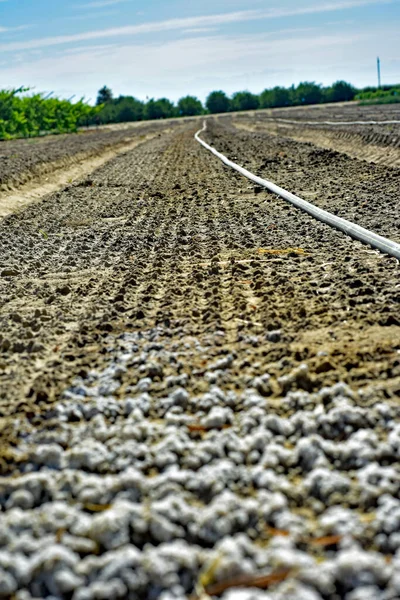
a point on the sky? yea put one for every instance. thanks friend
(171, 48)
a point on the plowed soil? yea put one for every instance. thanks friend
(200, 382)
(25, 160)
(363, 132)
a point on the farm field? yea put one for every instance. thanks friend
(31, 162)
(368, 132)
(199, 383)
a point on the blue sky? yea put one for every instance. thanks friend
(153, 48)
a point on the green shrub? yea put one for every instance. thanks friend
(24, 115)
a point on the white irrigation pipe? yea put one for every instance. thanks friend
(355, 231)
(299, 122)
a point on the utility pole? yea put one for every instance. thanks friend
(378, 63)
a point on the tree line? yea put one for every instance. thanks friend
(128, 108)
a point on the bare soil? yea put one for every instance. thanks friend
(22, 161)
(362, 192)
(218, 283)
(377, 143)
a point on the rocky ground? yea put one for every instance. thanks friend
(199, 384)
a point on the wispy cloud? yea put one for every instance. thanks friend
(11, 29)
(101, 3)
(199, 30)
(91, 51)
(189, 23)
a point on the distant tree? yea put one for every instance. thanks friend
(189, 106)
(308, 92)
(159, 109)
(108, 113)
(128, 109)
(244, 101)
(340, 91)
(276, 97)
(218, 102)
(104, 95)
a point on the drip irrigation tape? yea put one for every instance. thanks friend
(355, 231)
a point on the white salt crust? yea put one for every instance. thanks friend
(121, 500)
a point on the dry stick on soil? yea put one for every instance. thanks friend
(277, 532)
(264, 581)
(93, 508)
(324, 541)
(198, 427)
(250, 581)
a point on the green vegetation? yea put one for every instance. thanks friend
(307, 92)
(104, 95)
(28, 115)
(23, 115)
(218, 102)
(341, 91)
(245, 101)
(159, 109)
(119, 110)
(275, 97)
(189, 106)
(384, 95)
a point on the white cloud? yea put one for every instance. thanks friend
(196, 65)
(188, 23)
